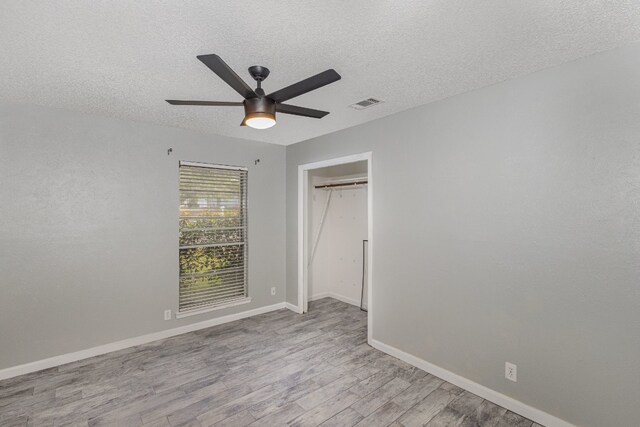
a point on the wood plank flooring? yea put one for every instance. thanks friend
(279, 368)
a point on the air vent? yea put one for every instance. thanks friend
(365, 103)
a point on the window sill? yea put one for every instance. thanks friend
(213, 308)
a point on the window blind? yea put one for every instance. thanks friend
(213, 235)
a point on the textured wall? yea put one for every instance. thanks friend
(520, 239)
(89, 228)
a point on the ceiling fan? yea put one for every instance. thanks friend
(260, 109)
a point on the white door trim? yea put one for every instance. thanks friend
(303, 182)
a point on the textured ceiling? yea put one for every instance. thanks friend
(123, 59)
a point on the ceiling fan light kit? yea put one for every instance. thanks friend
(259, 113)
(260, 109)
(259, 120)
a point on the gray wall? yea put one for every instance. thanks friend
(89, 227)
(507, 226)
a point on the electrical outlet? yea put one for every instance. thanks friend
(167, 315)
(273, 291)
(511, 372)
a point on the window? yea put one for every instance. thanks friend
(213, 236)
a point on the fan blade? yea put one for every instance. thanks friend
(300, 111)
(218, 66)
(205, 103)
(306, 85)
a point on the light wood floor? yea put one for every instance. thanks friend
(278, 368)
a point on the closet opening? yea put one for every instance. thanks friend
(334, 242)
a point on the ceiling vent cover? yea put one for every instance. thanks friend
(365, 103)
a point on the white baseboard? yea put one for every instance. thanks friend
(319, 296)
(292, 307)
(345, 299)
(39, 365)
(507, 402)
(335, 296)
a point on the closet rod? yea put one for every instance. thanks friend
(343, 184)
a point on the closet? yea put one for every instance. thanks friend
(338, 233)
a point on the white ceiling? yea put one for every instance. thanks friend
(123, 59)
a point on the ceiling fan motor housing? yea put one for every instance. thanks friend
(259, 106)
